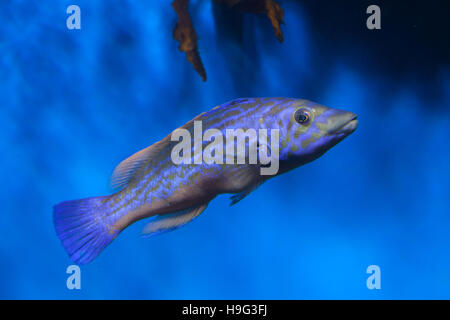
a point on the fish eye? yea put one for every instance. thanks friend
(302, 116)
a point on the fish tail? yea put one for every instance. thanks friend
(82, 228)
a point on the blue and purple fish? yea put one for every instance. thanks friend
(151, 184)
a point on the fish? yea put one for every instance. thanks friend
(172, 184)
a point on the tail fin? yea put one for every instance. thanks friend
(81, 229)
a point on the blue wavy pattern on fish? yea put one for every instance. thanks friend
(150, 184)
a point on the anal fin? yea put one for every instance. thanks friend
(171, 221)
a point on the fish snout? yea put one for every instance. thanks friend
(343, 122)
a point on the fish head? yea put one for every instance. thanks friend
(310, 129)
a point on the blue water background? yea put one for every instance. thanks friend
(74, 103)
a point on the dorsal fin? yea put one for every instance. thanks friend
(130, 168)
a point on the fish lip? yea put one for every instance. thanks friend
(347, 128)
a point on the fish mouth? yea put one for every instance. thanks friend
(347, 127)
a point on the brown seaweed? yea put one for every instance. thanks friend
(271, 8)
(184, 31)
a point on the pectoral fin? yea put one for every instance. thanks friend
(241, 195)
(171, 221)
